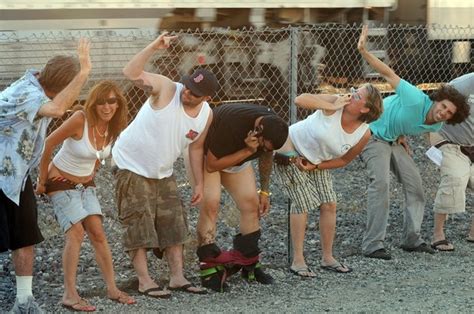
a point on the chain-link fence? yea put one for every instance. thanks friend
(269, 66)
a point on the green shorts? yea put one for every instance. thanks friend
(151, 212)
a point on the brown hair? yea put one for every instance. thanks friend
(58, 73)
(459, 100)
(99, 93)
(374, 102)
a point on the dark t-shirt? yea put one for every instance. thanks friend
(230, 125)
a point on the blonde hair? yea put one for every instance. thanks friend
(374, 102)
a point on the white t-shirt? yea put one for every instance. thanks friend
(321, 137)
(150, 145)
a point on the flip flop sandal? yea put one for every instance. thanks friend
(147, 293)
(124, 296)
(336, 267)
(437, 246)
(187, 288)
(304, 272)
(80, 306)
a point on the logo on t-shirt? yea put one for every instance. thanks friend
(192, 134)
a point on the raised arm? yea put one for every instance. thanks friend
(388, 74)
(64, 99)
(151, 83)
(322, 101)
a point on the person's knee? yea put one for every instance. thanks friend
(210, 210)
(328, 207)
(97, 235)
(24, 253)
(249, 206)
(75, 234)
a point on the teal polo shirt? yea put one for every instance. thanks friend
(404, 114)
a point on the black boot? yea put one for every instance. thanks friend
(255, 272)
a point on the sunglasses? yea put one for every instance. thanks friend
(355, 94)
(110, 101)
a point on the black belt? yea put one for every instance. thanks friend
(443, 143)
(283, 160)
(466, 150)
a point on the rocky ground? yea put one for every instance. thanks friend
(410, 282)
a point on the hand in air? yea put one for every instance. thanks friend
(363, 38)
(83, 53)
(163, 41)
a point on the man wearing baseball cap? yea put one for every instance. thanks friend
(173, 120)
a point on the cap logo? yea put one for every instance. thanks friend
(198, 78)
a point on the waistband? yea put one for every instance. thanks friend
(284, 159)
(438, 145)
(466, 150)
(63, 184)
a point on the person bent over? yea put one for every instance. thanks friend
(456, 143)
(238, 134)
(26, 109)
(173, 120)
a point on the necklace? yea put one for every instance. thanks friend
(103, 134)
(100, 153)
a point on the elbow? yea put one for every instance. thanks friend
(211, 169)
(58, 112)
(126, 71)
(299, 100)
(130, 73)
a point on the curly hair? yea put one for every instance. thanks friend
(448, 92)
(100, 93)
(374, 102)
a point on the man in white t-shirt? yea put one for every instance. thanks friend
(174, 120)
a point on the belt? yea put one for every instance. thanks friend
(438, 145)
(466, 150)
(283, 160)
(63, 184)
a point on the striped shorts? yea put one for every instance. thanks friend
(306, 189)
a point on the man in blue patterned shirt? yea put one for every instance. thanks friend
(26, 108)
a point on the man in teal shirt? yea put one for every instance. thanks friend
(408, 112)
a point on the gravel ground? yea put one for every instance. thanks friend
(410, 282)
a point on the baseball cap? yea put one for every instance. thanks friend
(202, 82)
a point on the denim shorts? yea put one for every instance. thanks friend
(72, 206)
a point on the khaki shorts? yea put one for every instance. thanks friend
(151, 212)
(306, 189)
(457, 173)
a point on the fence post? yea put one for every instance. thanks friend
(293, 80)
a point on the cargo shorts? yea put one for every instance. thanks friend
(150, 211)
